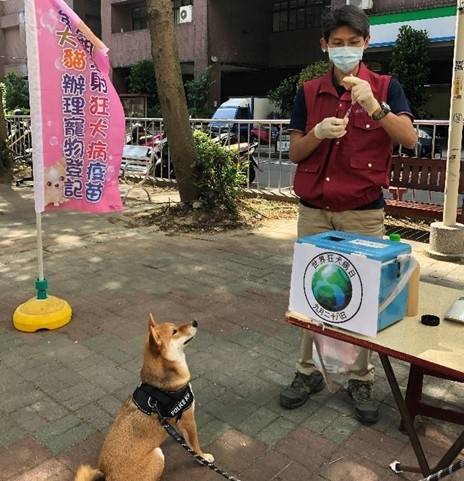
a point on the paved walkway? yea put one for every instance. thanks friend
(60, 390)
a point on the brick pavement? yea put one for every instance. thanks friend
(60, 390)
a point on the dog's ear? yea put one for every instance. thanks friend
(153, 336)
(151, 321)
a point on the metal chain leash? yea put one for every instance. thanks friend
(180, 440)
(445, 472)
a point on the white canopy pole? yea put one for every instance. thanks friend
(456, 123)
(447, 237)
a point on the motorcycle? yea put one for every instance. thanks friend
(141, 135)
(145, 152)
(161, 165)
(246, 153)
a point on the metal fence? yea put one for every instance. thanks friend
(262, 145)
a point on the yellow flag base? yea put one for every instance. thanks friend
(34, 314)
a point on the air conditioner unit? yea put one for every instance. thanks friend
(364, 4)
(185, 14)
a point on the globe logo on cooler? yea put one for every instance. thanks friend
(332, 287)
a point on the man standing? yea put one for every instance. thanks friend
(343, 128)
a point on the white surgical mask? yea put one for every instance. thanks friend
(346, 58)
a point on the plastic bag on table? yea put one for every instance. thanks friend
(335, 359)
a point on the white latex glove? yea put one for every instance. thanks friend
(331, 128)
(361, 93)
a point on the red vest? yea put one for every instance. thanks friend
(343, 174)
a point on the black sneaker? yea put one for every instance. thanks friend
(366, 408)
(302, 386)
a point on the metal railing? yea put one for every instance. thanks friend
(19, 139)
(263, 145)
(257, 141)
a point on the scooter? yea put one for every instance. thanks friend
(246, 151)
(139, 135)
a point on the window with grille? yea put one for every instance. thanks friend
(291, 15)
(177, 5)
(139, 18)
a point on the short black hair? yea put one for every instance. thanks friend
(347, 16)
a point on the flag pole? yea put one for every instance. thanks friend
(42, 311)
(38, 219)
(41, 283)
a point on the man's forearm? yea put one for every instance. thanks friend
(400, 129)
(302, 146)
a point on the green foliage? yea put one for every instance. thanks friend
(2, 94)
(5, 159)
(197, 91)
(411, 65)
(219, 176)
(142, 80)
(16, 92)
(316, 69)
(5, 156)
(284, 94)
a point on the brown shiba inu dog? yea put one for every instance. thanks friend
(131, 450)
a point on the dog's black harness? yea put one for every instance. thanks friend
(168, 404)
(171, 404)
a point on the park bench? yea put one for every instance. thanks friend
(412, 174)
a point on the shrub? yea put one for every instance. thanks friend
(220, 178)
(142, 80)
(16, 92)
(284, 94)
(317, 69)
(411, 65)
(197, 91)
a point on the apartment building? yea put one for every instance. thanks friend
(12, 38)
(227, 35)
(250, 45)
(13, 33)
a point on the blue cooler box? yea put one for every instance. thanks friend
(395, 259)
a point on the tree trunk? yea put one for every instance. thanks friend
(172, 95)
(6, 174)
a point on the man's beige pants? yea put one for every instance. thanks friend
(314, 221)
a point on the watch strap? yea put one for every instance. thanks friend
(380, 113)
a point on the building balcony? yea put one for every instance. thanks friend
(127, 48)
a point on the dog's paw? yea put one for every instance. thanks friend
(208, 457)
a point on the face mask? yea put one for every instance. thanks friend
(345, 58)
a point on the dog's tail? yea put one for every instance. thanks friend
(87, 473)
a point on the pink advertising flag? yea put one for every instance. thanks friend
(77, 116)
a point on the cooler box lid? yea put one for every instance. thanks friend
(348, 243)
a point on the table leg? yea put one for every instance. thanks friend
(406, 418)
(451, 454)
(413, 392)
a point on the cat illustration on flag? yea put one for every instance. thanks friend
(54, 177)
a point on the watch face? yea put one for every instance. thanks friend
(385, 107)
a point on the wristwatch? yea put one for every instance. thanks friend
(379, 114)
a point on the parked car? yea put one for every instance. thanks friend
(264, 134)
(424, 144)
(244, 108)
(283, 141)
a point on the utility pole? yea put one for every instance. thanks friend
(447, 237)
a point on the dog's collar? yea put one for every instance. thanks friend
(168, 404)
